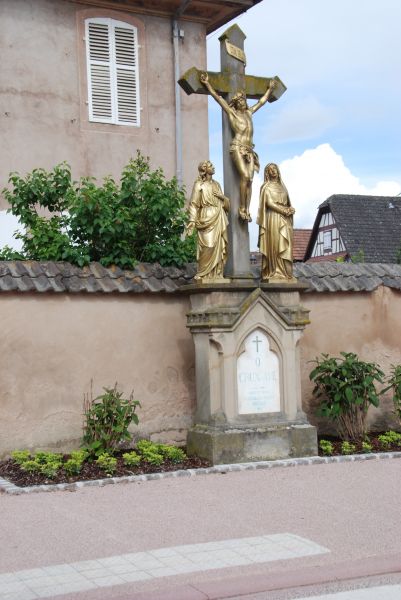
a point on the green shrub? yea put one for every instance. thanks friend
(143, 445)
(150, 452)
(31, 466)
(152, 457)
(107, 419)
(131, 459)
(384, 442)
(366, 447)
(388, 439)
(20, 456)
(141, 219)
(155, 454)
(346, 389)
(176, 455)
(326, 447)
(73, 466)
(46, 463)
(394, 436)
(51, 468)
(79, 455)
(47, 457)
(107, 463)
(347, 448)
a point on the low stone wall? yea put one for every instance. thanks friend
(63, 327)
(51, 348)
(367, 323)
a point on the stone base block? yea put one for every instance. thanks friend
(229, 445)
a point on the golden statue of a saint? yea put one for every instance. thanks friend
(207, 214)
(275, 220)
(242, 147)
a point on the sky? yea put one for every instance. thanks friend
(337, 128)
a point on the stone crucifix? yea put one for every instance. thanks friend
(231, 88)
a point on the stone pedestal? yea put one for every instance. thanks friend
(248, 385)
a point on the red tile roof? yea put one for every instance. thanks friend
(328, 257)
(301, 240)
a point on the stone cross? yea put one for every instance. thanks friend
(227, 83)
(257, 341)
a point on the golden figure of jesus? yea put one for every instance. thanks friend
(242, 147)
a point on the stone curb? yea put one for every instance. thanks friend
(10, 488)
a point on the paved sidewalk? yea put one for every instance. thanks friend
(345, 514)
(76, 577)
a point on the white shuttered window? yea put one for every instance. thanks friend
(112, 65)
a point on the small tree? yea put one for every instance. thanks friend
(142, 219)
(107, 419)
(346, 389)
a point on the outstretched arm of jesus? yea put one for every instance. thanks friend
(204, 79)
(265, 97)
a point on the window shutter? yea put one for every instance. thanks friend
(112, 64)
(99, 71)
(125, 44)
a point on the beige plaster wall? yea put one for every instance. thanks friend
(366, 323)
(52, 346)
(43, 110)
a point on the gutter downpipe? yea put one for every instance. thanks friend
(178, 120)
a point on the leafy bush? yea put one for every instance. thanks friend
(47, 463)
(73, 466)
(394, 382)
(106, 420)
(51, 468)
(176, 455)
(20, 456)
(31, 466)
(155, 454)
(131, 459)
(385, 443)
(107, 463)
(326, 447)
(142, 219)
(150, 452)
(152, 457)
(143, 445)
(347, 448)
(394, 436)
(366, 447)
(388, 439)
(346, 388)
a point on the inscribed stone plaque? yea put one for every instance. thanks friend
(258, 376)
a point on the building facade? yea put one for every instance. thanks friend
(91, 81)
(358, 228)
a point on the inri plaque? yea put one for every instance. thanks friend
(258, 376)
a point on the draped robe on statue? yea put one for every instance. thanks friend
(209, 215)
(275, 231)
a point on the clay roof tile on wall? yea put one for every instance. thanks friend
(59, 277)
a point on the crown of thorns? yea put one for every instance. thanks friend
(238, 96)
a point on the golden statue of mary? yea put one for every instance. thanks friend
(275, 220)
